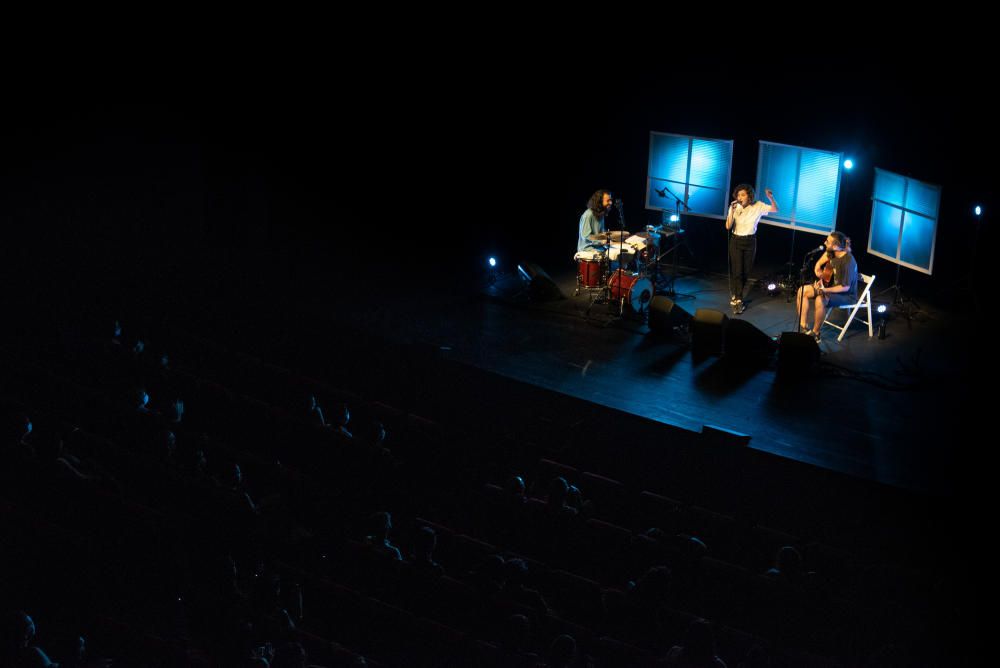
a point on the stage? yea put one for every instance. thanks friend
(888, 410)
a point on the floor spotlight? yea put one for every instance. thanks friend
(880, 317)
(491, 276)
(772, 287)
(848, 164)
(978, 210)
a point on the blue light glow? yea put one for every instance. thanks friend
(882, 308)
(493, 262)
(806, 183)
(848, 164)
(688, 170)
(904, 220)
(979, 210)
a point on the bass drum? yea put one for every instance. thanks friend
(636, 290)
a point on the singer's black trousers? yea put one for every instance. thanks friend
(742, 251)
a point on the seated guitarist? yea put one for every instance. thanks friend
(836, 284)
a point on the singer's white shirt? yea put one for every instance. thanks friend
(746, 218)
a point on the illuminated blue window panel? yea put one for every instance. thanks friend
(691, 169)
(806, 185)
(904, 220)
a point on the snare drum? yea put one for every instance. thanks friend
(637, 291)
(591, 269)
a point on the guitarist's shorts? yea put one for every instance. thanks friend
(840, 299)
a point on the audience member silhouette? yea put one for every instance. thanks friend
(697, 649)
(378, 538)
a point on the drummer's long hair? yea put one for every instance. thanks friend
(596, 203)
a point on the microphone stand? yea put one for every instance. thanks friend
(789, 265)
(656, 267)
(729, 252)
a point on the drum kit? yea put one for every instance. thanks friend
(627, 272)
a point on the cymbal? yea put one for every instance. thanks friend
(613, 235)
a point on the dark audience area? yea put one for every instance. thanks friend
(168, 500)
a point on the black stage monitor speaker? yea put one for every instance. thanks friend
(797, 353)
(541, 287)
(743, 341)
(706, 331)
(665, 314)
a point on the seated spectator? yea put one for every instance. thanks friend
(512, 649)
(140, 401)
(422, 558)
(19, 643)
(516, 587)
(697, 649)
(116, 336)
(557, 499)
(314, 412)
(276, 612)
(19, 439)
(649, 592)
(341, 420)
(378, 440)
(787, 565)
(52, 453)
(290, 655)
(516, 490)
(174, 412)
(380, 524)
(234, 483)
(488, 576)
(562, 652)
(165, 447)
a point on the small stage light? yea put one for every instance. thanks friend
(491, 271)
(848, 164)
(979, 210)
(880, 318)
(674, 218)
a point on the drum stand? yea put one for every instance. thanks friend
(621, 250)
(596, 294)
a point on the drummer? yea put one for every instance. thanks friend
(592, 222)
(592, 237)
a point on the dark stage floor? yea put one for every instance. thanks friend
(886, 410)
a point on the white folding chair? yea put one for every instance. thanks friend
(864, 300)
